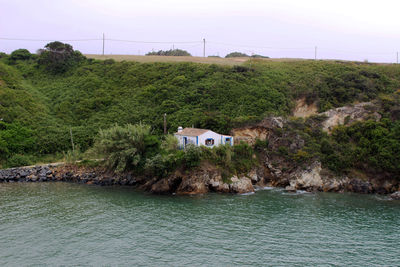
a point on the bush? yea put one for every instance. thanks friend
(174, 52)
(20, 54)
(15, 139)
(125, 147)
(261, 144)
(192, 156)
(236, 54)
(170, 143)
(18, 160)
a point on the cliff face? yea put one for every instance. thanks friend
(282, 171)
(349, 114)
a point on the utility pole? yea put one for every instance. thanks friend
(315, 53)
(204, 47)
(103, 43)
(165, 123)
(397, 58)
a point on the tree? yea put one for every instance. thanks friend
(125, 148)
(236, 54)
(174, 52)
(20, 54)
(58, 57)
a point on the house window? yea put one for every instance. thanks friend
(209, 142)
(227, 140)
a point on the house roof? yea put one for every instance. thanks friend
(192, 131)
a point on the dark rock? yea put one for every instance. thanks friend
(359, 186)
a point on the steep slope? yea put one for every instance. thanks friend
(97, 94)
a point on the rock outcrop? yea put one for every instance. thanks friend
(304, 109)
(199, 181)
(395, 195)
(349, 114)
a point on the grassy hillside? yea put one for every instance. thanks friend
(96, 94)
(171, 59)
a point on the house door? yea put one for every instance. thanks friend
(185, 141)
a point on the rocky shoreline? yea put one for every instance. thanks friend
(203, 180)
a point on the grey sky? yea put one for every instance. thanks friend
(343, 29)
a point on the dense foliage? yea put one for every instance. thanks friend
(20, 54)
(58, 57)
(171, 52)
(134, 148)
(51, 95)
(236, 54)
(365, 146)
(126, 148)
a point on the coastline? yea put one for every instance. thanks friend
(200, 181)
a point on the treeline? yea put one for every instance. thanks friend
(240, 54)
(58, 91)
(171, 52)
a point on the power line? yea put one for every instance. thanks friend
(48, 40)
(154, 42)
(263, 47)
(191, 44)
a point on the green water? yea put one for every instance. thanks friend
(70, 224)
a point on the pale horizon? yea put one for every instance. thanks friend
(347, 30)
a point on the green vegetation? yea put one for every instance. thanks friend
(134, 148)
(58, 57)
(369, 146)
(258, 56)
(171, 52)
(43, 98)
(20, 54)
(236, 54)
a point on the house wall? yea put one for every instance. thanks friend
(225, 142)
(210, 134)
(201, 139)
(192, 140)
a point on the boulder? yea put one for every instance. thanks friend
(359, 186)
(161, 187)
(217, 185)
(241, 185)
(291, 189)
(309, 179)
(395, 195)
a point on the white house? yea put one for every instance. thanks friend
(198, 137)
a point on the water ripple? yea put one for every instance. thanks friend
(69, 224)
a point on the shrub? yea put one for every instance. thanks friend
(20, 54)
(261, 144)
(18, 160)
(125, 147)
(172, 52)
(15, 139)
(236, 54)
(192, 156)
(301, 156)
(170, 143)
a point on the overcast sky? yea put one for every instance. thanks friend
(341, 29)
